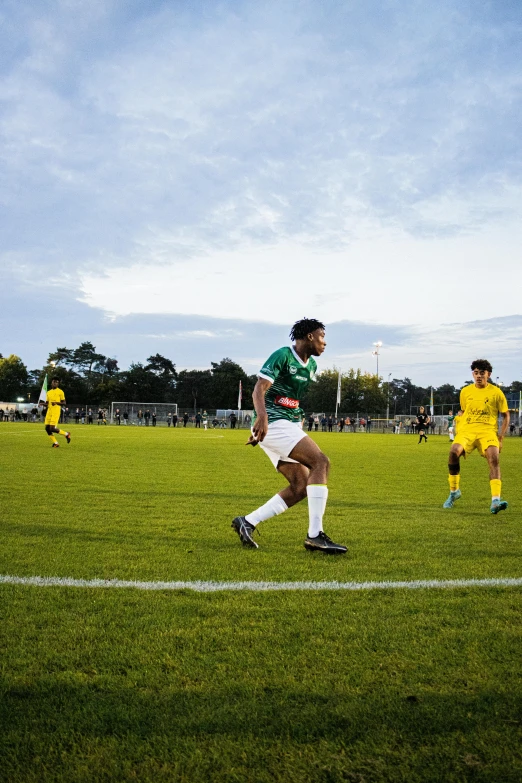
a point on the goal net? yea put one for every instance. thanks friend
(135, 413)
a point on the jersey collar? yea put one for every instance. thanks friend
(303, 364)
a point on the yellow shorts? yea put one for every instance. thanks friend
(480, 439)
(52, 416)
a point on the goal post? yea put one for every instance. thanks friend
(160, 409)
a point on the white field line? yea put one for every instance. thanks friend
(214, 587)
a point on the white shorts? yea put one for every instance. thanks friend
(280, 439)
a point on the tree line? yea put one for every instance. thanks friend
(90, 378)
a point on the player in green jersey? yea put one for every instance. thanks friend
(277, 428)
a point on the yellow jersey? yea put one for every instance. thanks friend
(54, 395)
(482, 406)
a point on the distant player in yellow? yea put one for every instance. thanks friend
(481, 404)
(54, 403)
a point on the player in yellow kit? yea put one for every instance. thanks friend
(55, 401)
(481, 404)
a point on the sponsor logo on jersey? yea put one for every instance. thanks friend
(293, 370)
(286, 402)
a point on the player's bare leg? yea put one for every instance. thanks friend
(297, 477)
(310, 456)
(51, 429)
(492, 456)
(455, 454)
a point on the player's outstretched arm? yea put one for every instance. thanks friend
(503, 429)
(260, 427)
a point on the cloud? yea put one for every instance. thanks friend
(188, 168)
(428, 355)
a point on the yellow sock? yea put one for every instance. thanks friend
(62, 432)
(495, 485)
(454, 482)
(53, 439)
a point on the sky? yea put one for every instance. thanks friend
(191, 178)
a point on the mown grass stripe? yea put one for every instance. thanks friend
(213, 587)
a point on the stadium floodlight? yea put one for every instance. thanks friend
(375, 353)
(20, 399)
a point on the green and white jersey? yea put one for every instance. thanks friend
(290, 378)
(451, 419)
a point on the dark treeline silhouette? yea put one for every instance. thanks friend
(90, 378)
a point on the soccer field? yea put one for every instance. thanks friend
(390, 684)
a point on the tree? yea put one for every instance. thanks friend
(224, 388)
(360, 393)
(165, 373)
(193, 389)
(85, 356)
(61, 356)
(14, 378)
(137, 384)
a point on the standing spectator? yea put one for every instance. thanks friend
(330, 423)
(215, 423)
(185, 419)
(316, 423)
(433, 424)
(198, 419)
(205, 420)
(248, 420)
(175, 420)
(89, 416)
(310, 422)
(153, 418)
(82, 414)
(407, 426)
(340, 424)
(34, 414)
(125, 417)
(369, 424)
(352, 423)
(77, 415)
(233, 420)
(117, 416)
(146, 416)
(66, 414)
(169, 419)
(100, 416)
(324, 422)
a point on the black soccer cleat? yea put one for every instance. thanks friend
(55, 446)
(68, 437)
(322, 543)
(244, 530)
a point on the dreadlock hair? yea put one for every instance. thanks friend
(303, 327)
(481, 364)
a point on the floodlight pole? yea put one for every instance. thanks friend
(375, 353)
(388, 401)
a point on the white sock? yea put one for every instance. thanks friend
(317, 496)
(275, 506)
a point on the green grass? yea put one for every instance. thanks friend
(123, 685)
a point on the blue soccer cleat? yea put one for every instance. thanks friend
(498, 505)
(453, 496)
